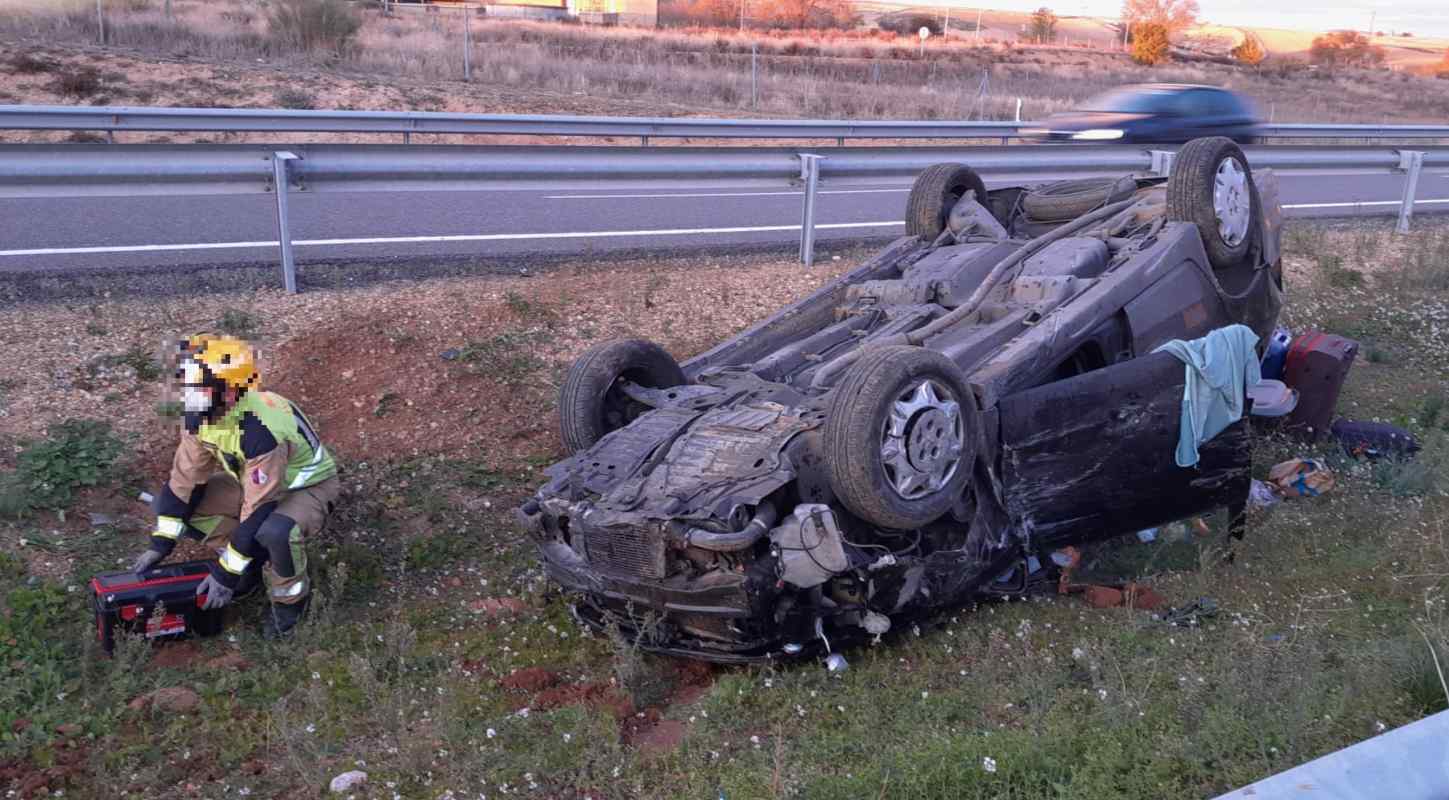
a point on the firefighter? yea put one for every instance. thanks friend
(249, 478)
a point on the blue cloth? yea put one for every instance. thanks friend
(1220, 369)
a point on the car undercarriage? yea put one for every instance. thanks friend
(979, 393)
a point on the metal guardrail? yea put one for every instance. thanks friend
(68, 170)
(121, 118)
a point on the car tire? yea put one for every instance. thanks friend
(882, 433)
(1066, 200)
(936, 191)
(1211, 186)
(590, 403)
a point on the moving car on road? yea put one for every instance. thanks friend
(1160, 113)
(981, 392)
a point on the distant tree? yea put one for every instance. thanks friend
(1249, 51)
(1150, 43)
(1345, 49)
(1173, 15)
(803, 14)
(908, 24)
(1043, 27)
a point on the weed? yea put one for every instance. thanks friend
(85, 137)
(385, 404)
(94, 328)
(640, 675)
(168, 409)
(75, 453)
(531, 310)
(439, 549)
(1422, 476)
(324, 25)
(294, 98)
(1419, 679)
(80, 82)
(140, 359)
(238, 322)
(506, 357)
(27, 64)
(1433, 415)
(1376, 354)
(1337, 275)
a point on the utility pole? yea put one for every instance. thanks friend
(978, 26)
(946, 26)
(742, 16)
(1373, 15)
(101, 21)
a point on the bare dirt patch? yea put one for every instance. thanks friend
(451, 366)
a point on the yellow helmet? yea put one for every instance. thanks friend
(226, 358)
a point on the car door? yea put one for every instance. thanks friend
(1093, 456)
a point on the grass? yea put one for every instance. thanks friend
(238, 322)
(1329, 617)
(856, 74)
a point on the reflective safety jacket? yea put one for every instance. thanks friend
(264, 442)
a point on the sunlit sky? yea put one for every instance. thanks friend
(1422, 17)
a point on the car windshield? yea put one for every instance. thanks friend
(1131, 101)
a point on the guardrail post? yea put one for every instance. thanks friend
(810, 176)
(280, 180)
(1411, 162)
(467, 46)
(1162, 162)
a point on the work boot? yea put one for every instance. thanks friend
(251, 578)
(281, 620)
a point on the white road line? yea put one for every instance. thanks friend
(716, 194)
(480, 237)
(1360, 203)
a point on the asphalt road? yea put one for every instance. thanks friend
(139, 232)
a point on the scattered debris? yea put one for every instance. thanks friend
(347, 781)
(1262, 495)
(1301, 477)
(1192, 615)
(1374, 440)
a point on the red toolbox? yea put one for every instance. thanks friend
(160, 603)
(1316, 365)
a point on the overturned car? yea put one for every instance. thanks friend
(981, 392)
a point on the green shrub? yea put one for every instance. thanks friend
(75, 453)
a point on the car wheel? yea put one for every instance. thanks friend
(1212, 187)
(591, 403)
(1067, 200)
(900, 438)
(936, 191)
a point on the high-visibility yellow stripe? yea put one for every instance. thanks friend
(169, 527)
(309, 468)
(232, 561)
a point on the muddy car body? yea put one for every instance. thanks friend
(980, 392)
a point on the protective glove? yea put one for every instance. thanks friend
(217, 593)
(146, 561)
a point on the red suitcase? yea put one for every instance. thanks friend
(1316, 366)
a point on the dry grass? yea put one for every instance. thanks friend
(860, 74)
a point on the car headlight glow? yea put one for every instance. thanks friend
(1099, 134)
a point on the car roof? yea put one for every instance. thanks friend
(1174, 87)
